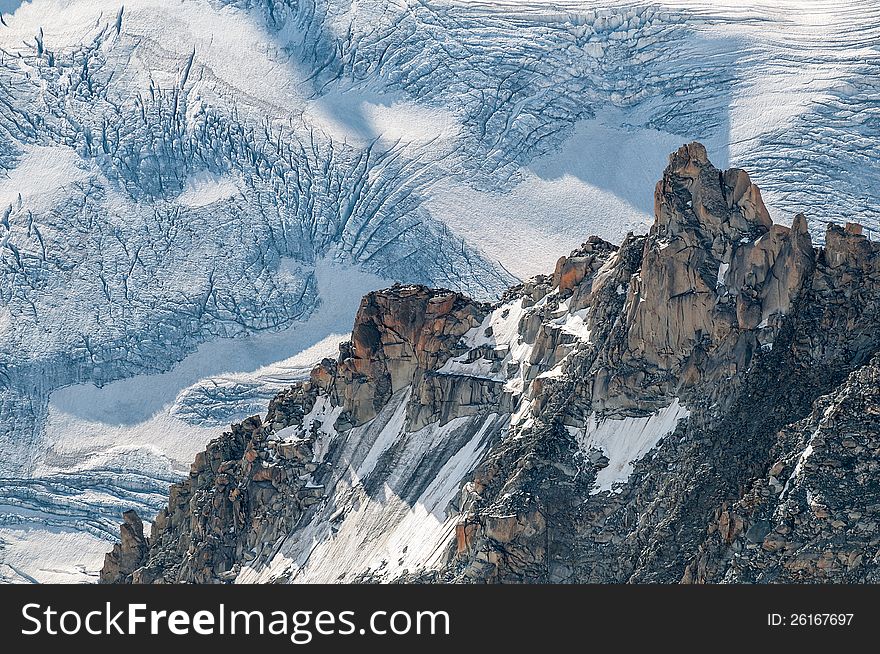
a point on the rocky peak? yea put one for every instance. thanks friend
(715, 280)
(597, 424)
(694, 196)
(244, 491)
(129, 554)
(399, 334)
(849, 247)
(581, 263)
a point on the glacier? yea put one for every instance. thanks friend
(194, 195)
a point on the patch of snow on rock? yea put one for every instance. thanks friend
(625, 441)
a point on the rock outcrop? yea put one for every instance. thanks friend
(250, 486)
(715, 280)
(695, 405)
(245, 490)
(398, 336)
(129, 554)
(814, 516)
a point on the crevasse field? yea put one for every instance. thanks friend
(194, 194)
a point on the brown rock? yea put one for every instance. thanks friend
(129, 554)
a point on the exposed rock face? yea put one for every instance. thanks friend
(714, 275)
(814, 517)
(695, 405)
(398, 336)
(742, 320)
(129, 554)
(251, 485)
(243, 491)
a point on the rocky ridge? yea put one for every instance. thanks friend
(670, 410)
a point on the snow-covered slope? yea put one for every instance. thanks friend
(389, 512)
(174, 173)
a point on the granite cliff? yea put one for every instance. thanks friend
(698, 404)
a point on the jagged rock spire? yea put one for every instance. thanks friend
(694, 195)
(716, 278)
(670, 366)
